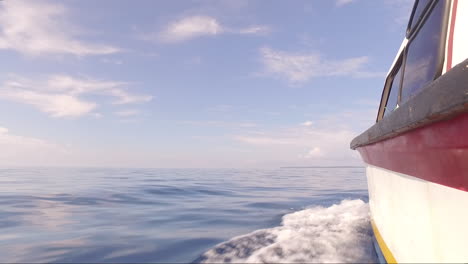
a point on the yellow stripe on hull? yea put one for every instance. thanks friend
(383, 247)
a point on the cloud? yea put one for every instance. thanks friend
(62, 95)
(56, 105)
(292, 146)
(198, 26)
(301, 67)
(265, 140)
(191, 27)
(307, 123)
(21, 150)
(343, 2)
(325, 143)
(127, 113)
(315, 152)
(40, 27)
(223, 124)
(255, 30)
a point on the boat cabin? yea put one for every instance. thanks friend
(416, 154)
(435, 41)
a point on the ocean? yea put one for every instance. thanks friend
(184, 215)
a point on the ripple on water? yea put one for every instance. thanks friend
(173, 215)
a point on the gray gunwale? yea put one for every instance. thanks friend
(444, 98)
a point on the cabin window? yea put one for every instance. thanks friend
(392, 99)
(418, 10)
(424, 53)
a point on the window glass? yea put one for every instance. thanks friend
(393, 96)
(422, 59)
(420, 7)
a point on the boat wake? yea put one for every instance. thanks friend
(339, 233)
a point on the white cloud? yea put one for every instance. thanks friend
(315, 152)
(223, 124)
(191, 27)
(39, 27)
(255, 30)
(57, 105)
(22, 150)
(127, 113)
(197, 26)
(307, 123)
(301, 67)
(61, 95)
(325, 143)
(343, 2)
(265, 140)
(123, 97)
(291, 146)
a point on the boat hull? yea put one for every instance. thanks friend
(418, 197)
(417, 220)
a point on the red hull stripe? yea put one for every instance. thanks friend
(437, 153)
(452, 30)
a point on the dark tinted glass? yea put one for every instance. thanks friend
(422, 61)
(420, 7)
(393, 96)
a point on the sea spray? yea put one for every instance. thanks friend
(339, 233)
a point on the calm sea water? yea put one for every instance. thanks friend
(184, 215)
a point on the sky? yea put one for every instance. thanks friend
(193, 83)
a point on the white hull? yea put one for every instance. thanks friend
(418, 221)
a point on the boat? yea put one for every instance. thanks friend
(416, 154)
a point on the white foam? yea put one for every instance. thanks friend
(340, 233)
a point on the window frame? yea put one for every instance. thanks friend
(410, 30)
(411, 34)
(442, 40)
(399, 66)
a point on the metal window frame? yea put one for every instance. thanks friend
(410, 30)
(442, 40)
(399, 66)
(411, 34)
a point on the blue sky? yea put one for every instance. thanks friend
(193, 83)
